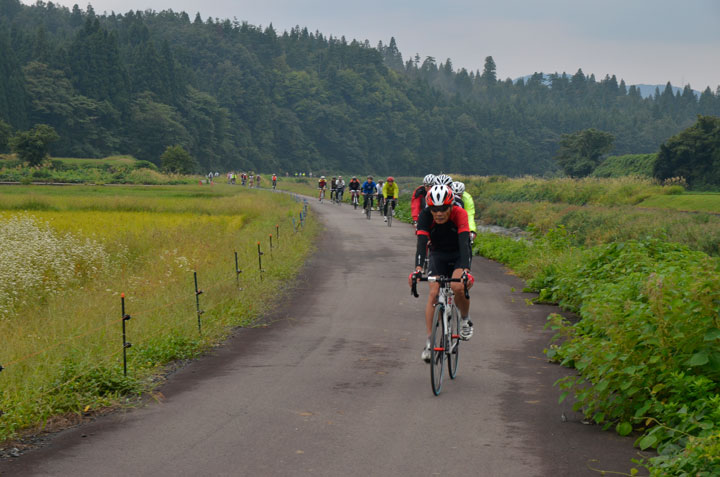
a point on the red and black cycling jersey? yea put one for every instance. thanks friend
(322, 184)
(453, 236)
(354, 185)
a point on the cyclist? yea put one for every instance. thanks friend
(354, 187)
(469, 206)
(368, 189)
(274, 180)
(391, 192)
(446, 226)
(333, 188)
(417, 203)
(340, 189)
(379, 192)
(322, 185)
(257, 181)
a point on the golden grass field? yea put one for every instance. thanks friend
(62, 344)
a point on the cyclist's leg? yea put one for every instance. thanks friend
(462, 303)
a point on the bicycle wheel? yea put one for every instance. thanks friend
(355, 202)
(454, 348)
(389, 217)
(437, 351)
(368, 209)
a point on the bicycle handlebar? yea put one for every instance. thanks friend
(417, 277)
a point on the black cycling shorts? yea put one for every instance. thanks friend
(443, 263)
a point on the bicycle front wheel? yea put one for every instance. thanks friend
(437, 350)
(454, 347)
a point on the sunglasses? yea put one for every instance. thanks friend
(439, 208)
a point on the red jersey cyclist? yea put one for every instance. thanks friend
(322, 185)
(446, 226)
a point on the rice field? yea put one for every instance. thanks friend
(68, 254)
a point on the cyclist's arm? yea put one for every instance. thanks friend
(470, 208)
(464, 245)
(422, 240)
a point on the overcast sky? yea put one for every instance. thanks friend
(641, 41)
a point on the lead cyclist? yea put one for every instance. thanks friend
(446, 227)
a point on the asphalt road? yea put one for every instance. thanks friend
(334, 386)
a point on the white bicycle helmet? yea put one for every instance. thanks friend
(458, 187)
(429, 179)
(443, 179)
(439, 195)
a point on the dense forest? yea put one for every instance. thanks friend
(238, 96)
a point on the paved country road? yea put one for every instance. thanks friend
(334, 386)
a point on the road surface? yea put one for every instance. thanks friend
(334, 386)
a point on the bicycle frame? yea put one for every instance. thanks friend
(446, 321)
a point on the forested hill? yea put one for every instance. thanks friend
(244, 97)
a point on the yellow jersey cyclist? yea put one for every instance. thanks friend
(468, 204)
(390, 192)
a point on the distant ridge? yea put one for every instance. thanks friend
(646, 90)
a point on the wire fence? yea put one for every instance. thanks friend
(124, 321)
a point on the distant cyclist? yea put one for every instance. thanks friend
(379, 192)
(322, 185)
(417, 203)
(339, 189)
(354, 186)
(391, 192)
(274, 180)
(446, 227)
(333, 188)
(368, 189)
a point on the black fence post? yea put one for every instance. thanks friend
(294, 228)
(197, 303)
(271, 246)
(277, 234)
(260, 254)
(237, 272)
(126, 345)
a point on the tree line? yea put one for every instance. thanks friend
(239, 96)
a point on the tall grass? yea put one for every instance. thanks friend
(62, 351)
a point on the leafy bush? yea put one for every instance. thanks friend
(640, 165)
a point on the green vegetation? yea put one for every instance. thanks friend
(693, 154)
(237, 96)
(69, 252)
(581, 152)
(699, 202)
(110, 170)
(646, 344)
(32, 146)
(176, 160)
(638, 165)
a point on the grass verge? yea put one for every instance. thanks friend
(62, 343)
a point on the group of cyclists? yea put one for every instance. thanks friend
(387, 192)
(443, 213)
(250, 179)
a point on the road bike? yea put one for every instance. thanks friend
(369, 205)
(391, 211)
(322, 193)
(338, 196)
(354, 198)
(445, 335)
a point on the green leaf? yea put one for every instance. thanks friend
(698, 359)
(624, 428)
(647, 441)
(562, 397)
(712, 335)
